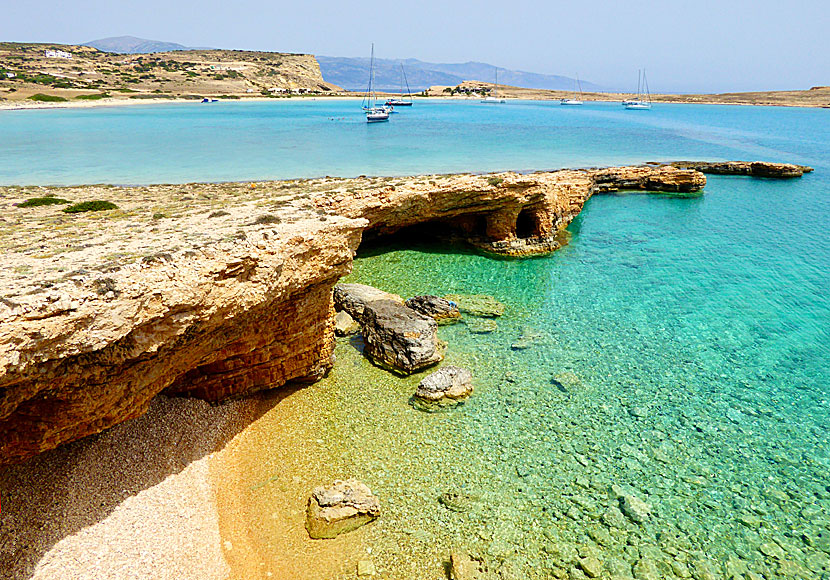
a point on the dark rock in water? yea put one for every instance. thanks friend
(345, 325)
(446, 386)
(477, 304)
(343, 507)
(441, 309)
(397, 338)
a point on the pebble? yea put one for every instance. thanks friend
(591, 566)
(366, 568)
(772, 550)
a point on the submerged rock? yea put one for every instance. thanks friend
(529, 337)
(478, 326)
(446, 386)
(342, 507)
(466, 566)
(397, 338)
(456, 501)
(345, 325)
(477, 304)
(441, 309)
(634, 508)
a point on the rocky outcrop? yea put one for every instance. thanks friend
(477, 305)
(753, 168)
(340, 508)
(446, 386)
(231, 290)
(396, 337)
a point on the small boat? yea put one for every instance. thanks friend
(574, 100)
(494, 98)
(401, 102)
(374, 113)
(643, 100)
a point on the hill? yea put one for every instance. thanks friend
(54, 72)
(353, 74)
(134, 45)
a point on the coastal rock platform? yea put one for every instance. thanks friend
(217, 290)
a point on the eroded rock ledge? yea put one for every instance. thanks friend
(214, 290)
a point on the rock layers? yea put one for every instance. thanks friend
(753, 168)
(214, 290)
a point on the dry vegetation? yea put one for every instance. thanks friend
(92, 75)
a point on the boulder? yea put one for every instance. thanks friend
(396, 337)
(345, 325)
(477, 304)
(446, 386)
(342, 507)
(441, 309)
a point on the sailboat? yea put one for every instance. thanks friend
(401, 102)
(643, 100)
(574, 101)
(494, 98)
(374, 113)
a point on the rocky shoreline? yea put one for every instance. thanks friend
(217, 290)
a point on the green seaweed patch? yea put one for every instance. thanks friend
(40, 97)
(90, 206)
(40, 201)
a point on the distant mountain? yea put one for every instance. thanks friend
(133, 45)
(353, 74)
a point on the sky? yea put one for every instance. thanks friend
(700, 46)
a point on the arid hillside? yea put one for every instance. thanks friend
(813, 97)
(50, 72)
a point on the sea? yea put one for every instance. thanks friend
(655, 400)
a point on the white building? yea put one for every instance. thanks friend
(57, 54)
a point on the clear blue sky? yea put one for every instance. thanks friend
(705, 45)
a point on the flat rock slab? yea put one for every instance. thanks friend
(397, 338)
(477, 304)
(441, 309)
(340, 508)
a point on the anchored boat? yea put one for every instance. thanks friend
(401, 102)
(374, 113)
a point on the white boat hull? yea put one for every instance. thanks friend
(570, 102)
(638, 106)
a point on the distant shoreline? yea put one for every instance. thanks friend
(24, 105)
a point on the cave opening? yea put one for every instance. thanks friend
(527, 225)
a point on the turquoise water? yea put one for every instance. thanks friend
(682, 348)
(683, 355)
(231, 141)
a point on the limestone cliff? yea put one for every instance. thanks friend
(213, 290)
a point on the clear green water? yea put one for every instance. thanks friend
(688, 344)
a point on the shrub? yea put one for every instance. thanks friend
(159, 215)
(93, 97)
(218, 213)
(39, 201)
(494, 181)
(267, 219)
(90, 206)
(40, 97)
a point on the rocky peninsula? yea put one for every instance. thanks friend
(216, 290)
